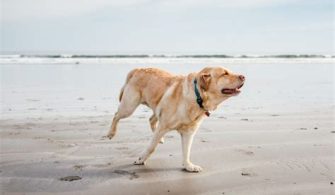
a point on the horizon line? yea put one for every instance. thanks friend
(283, 55)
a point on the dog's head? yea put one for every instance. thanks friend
(217, 84)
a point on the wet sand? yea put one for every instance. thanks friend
(275, 153)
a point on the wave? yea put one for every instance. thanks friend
(167, 56)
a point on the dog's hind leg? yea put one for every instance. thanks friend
(153, 124)
(128, 104)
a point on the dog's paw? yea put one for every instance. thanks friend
(161, 140)
(193, 168)
(110, 135)
(139, 161)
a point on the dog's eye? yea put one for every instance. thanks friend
(225, 74)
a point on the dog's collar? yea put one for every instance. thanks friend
(199, 99)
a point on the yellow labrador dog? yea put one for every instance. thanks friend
(178, 103)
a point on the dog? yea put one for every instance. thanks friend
(178, 103)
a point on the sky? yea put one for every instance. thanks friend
(167, 27)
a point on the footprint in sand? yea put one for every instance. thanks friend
(70, 178)
(79, 167)
(246, 152)
(132, 175)
(14, 133)
(248, 172)
(102, 165)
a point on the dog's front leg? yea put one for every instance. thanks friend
(186, 141)
(158, 134)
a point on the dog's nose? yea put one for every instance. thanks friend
(242, 77)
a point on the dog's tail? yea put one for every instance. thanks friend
(129, 76)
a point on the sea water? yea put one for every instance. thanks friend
(48, 87)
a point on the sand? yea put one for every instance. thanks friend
(260, 147)
(254, 154)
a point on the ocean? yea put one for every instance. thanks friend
(50, 86)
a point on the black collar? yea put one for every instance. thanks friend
(199, 99)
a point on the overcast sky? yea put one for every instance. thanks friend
(167, 26)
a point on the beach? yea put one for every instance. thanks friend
(276, 137)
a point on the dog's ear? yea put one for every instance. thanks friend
(205, 79)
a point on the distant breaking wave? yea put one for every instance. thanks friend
(170, 56)
(165, 59)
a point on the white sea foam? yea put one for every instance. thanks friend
(68, 59)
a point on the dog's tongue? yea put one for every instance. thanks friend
(228, 91)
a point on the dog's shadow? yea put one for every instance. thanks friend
(40, 174)
(131, 169)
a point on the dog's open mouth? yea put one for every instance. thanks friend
(228, 91)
